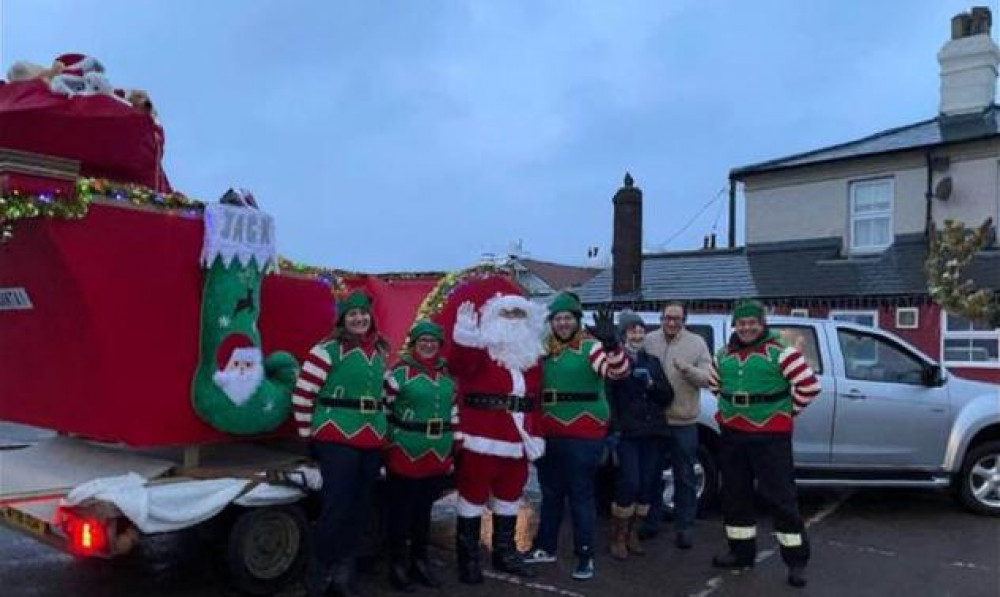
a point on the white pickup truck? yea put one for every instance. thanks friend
(888, 415)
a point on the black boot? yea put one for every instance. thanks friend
(316, 578)
(399, 576)
(470, 570)
(506, 558)
(796, 576)
(421, 570)
(341, 583)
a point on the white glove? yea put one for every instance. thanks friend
(466, 332)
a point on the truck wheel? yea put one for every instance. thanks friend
(266, 549)
(706, 477)
(979, 481)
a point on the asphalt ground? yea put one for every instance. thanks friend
(865, 542)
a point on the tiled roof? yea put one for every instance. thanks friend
(790, 269)
(558, 276)
(936, 131)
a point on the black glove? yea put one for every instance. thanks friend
(604, 329)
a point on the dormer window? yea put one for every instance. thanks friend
(871, 215)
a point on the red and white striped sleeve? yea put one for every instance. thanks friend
(610, 365)
(805, 385)
(714, 385)
(311, 379)
(390, 386)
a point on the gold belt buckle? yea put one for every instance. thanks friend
(369, 405)
(741, 399)
(435, 428)
(550, 397)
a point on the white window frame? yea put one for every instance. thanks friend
(851, 186)
(916, 318)
(967, 335)
(799, 313)
(874, 314)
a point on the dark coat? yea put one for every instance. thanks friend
(638, 408)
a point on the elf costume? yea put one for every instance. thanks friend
(575, 415)
(338, 405)
(761, 386)
(422, 419)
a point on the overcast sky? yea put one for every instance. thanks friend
(419, 135)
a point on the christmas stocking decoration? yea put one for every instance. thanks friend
(235, 389)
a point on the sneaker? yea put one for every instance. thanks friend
(539, 556)
(584, 568)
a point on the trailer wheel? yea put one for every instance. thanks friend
(266, 549)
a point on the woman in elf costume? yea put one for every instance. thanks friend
(422, 415)
(338, 406)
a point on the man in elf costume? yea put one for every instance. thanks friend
(338, 406)
(762, 384)
(422, 417)
(575, 415)
(497, 344)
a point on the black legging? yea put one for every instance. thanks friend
(408, 516)
(348, 478)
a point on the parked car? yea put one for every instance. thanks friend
(888, 415)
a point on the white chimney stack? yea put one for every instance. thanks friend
(969, 64)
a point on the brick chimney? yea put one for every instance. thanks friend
(626, 248)
(969, 64)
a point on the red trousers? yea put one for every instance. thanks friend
(480, 475)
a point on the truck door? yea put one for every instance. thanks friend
(886, 415)
(814, 426)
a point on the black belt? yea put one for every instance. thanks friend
(551, 397)
(367, 404)
(746, 399)
(432, 428)
(514, 404)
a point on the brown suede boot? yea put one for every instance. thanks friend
(620, 518)
(634, 545)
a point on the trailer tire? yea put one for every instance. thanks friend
(266, 549)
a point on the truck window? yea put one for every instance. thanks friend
(802, 337)
(871, 358)
(705, 331)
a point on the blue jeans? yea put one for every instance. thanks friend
(349, 476)
(639, 461)
(566, 473)
(682, 448)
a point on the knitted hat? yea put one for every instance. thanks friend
(568, 302)
(748, 308)
(355, 300)
(426, 328)
(628, 320)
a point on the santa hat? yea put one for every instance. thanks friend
(78, 64)
(238, 343)
(479, 290)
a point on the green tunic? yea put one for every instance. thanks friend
(572, 370)
(422, 396)
(755, 370)
(352, 375)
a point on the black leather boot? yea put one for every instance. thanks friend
(470, 567)
(506, 558)
(421, 570)
(797, 576)
(341, 584)
(399, 574)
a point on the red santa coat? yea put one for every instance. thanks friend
(494, 432)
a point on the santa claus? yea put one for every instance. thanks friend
(496, 346)
(240, 368)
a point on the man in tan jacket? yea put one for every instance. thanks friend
(686, 360)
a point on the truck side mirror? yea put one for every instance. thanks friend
(933, 376)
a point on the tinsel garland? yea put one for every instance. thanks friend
(950, 252)
(18, 206)
(434, 301)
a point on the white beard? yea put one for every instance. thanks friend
(514, 343)
(239, 386)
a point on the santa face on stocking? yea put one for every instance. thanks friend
(241, 369)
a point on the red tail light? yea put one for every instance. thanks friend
(87, 536)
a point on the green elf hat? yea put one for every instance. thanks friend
(566, 301)
(355, 300)
(748, 308)
(426, 328)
